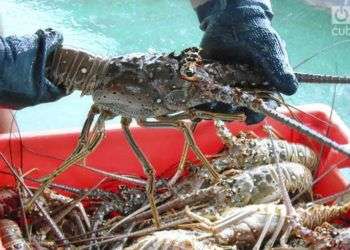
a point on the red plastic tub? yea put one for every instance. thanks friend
(42, 153)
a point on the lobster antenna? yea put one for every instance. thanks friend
(296, 125)
(247, 100)
(320, 52)
(1, 27)
(332, 111)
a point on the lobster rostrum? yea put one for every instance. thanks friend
(165, 87)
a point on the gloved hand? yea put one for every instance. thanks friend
(22, 69)
(240, 31)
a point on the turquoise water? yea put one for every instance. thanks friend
(114, 27)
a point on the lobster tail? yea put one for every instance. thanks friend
(77, 70)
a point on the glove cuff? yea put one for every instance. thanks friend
(233, 10)
(206, 10)
(265, 5)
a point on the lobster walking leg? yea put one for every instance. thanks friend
(221, 224)
(281, 222)
(189, 139)
(181, 166)
(147, 167)
(264, 232)
(85, 146)
(224, 133)
(290, 210)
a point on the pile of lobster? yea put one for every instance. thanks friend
(240, 199)
(242, 210)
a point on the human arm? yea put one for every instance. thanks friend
(23, 60)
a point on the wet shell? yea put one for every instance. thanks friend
(247, 153)
(11, 236)
(260, 184)
(9, 202)
(172, 240)
(246, 231)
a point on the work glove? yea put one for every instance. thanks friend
(240, 31)
(22, 69)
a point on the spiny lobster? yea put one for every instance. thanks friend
(260, 184)
(249, 225)
(243, 228)
(246, 151)
(173, 239)
(165, 87)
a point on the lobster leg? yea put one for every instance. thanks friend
(218, 226)
(264, 232)
(217, 116)
(224, 133)
(181, 166)
(189, 139)
(86, 145)
(285, 236)
(273, 133)
(290, 210)
(147, 167)
(279, 227)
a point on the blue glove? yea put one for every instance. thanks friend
(240, 31)
(22, 69)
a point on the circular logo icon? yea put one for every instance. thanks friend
(342, 15)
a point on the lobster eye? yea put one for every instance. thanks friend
(189, 72)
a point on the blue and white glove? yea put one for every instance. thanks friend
(22, 69)
(240, 31)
